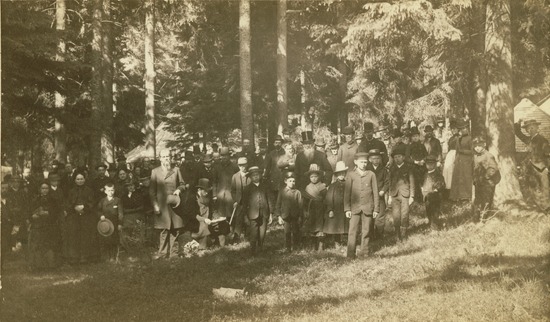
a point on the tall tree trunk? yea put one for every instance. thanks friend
(107, 52)
(500, 107)
(247, 118)
(478, 113)
(97, 97)
(150, 139)
(60, 134)
(282, 97)
(342, 68)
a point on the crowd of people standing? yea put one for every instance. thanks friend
(321, 193)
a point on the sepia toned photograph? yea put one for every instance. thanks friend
(275, 160)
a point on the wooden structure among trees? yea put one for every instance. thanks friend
(525, 110)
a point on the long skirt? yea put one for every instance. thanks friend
(448, 168)
(43, 246)
(314, 221)
(81, 238)
(463, 178)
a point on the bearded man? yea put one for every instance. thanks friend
(308, 156)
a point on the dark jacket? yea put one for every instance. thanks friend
(433, 147)
(302, 166)
(289, 204)
(382, 177)
(366, 146)
(255, 201)
(401, 181)
(539, 147)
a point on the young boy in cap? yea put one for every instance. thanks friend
(383, 182)
(110, 207)
(289, 208)
(314, 193)
(401, 190)
(336, 224)
(239, 181)
(432, 187)
(486, 177)
(256, 209)
(361, 204)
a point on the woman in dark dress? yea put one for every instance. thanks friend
(463, 171)
(44, 232)
(81, 222)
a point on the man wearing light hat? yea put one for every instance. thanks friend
(369, 142)
(239, 181)
(347, 150)
(222, 175)
(539, 151)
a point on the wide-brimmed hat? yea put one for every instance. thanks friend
(204, 183)
(105, 227)
(428, 128)
(400, 149)
(173, 200)
(313, 169)
(368, 127)
(347, 130)
(431, 159)
(361, 156)
(373, 152)
(530, 122)
(253, 169)
(242, 161)
(340, 167)
(307, 137)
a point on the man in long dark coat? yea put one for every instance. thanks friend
(369, 143)
(165, 181)
(309, 156)
(272, 173)
(347, 150)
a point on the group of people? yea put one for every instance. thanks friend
(322, 194)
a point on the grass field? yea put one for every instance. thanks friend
(497, 271)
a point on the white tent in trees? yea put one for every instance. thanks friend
(163, 137)
(528, 110)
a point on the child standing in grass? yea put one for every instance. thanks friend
(336, 224)
(289, 208)
(486, 177)
(110, 207)
(361, 204)
(432, 187)
(314, 194)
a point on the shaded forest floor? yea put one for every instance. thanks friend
(499, 270)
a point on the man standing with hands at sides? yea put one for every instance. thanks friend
(272, 174)
(239, 181)
(361, 204)
(165, 181)
(401, 191)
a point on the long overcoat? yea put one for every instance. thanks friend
(463, 171)
(163, 183)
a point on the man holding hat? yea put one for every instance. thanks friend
(166, 181)
(486, 177)
(257, 209)
(463, 171)
(311, 156)
(369, 142)
(222, 183)
(239, 181)
(361, 203)
(401, 190)
(347, 150)
(539, 152)
(383, 182)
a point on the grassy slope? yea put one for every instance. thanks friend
(496, 271)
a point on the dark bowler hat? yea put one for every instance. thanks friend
(368, 127)
(289, 174)
(348, 130)
(400, 149)
(307, 137)
(396, 134)
(204, 183)
(361, 156)
(530, 122)
(428, 128)
(431, 159)
(414, 131)
(375, 152)
(479, 140)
